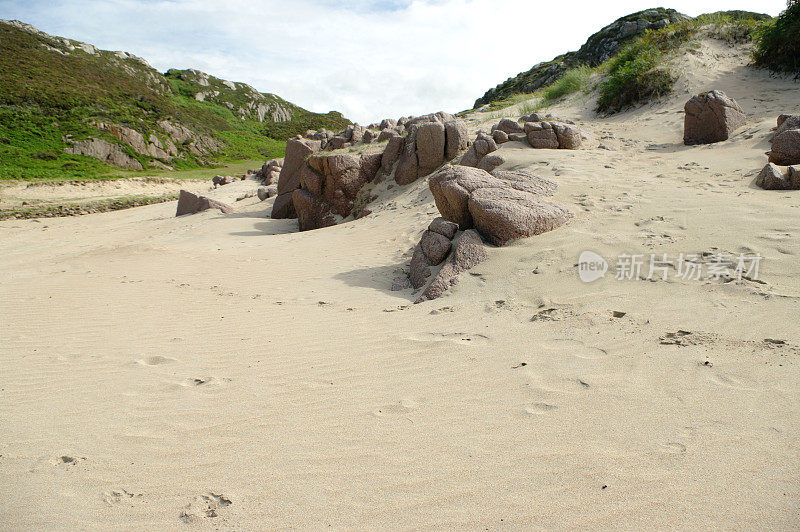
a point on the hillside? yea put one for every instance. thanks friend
(68, 109)
(608, 43)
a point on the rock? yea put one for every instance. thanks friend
(262, 193)
(533, 117)
(468, 251)
(104, 151)
(569, 136)
(391, 153)
(456, 138)
(312, 212)
(337, 143)
(387, 123)
(774, 177)
(435, 246)
(420, 268)
(369, 136)
(386, 134)
(787, 122)
(507, 125)
(296, 152)
(357, 134)
(518, 137)
(541, 135)
(452, 186)
(711, 117)
(189, 203)
(401, 282)
(786, 147)
(430, 147)
(490, 162)
(794, 177)
(500, 137)
(219, 180)
(408, 165)
(444, 227)
(501, 215)
(440, 117)
(272, 191)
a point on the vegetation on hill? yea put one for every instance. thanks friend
(54, 90)
(778, 44)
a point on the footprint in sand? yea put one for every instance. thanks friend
(575, 348)
(401, 407)
(205, 506)
(119, 496)
(673, 447)
(538, 409)
(156, 360)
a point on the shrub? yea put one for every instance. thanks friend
(778, 43)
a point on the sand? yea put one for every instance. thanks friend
(227, 372)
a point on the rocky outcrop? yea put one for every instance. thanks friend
(296, 152)
(104, 151)
(189, 203)
(711, 117)
(786, 142)
(329, 186)
(270, 172)
(428, 144)
(196, 144)
(552, 135)
(483, 145)
(468, 251)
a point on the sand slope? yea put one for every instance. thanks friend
(227, 372)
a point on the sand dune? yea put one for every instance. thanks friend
(228, 372)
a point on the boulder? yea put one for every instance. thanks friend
(430, 147)
(408, 165)
(386, 134)
(391, 153)
(518, 137)
(401, 282)
(312, 212)
(785, 147)
(387, 123)
(569, 136)
(369, 136)
(501, 215)
(774, 177)
(435, 246)
(189, 203)
(457, 138)
(541, 135)
(490, 162)
(296, 152)
(440, 117)
(444, 227)
(420, 268)
(523, 180)
(262, 193)
(500, 137)
(711, 117)
(468, 251)
(507, 126)
(787, 122)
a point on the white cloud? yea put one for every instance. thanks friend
(367, 59)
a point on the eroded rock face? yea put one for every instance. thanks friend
(430, 147)
(429, 143)
(104, 151)
(501, 215)
(711, 117)
(296, 152)
(391, 153)
(456, 138)
(468, 251)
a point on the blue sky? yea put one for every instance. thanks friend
(370, 60)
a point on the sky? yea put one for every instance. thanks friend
(368, 59)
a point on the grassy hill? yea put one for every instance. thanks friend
(56, 94)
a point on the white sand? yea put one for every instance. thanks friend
(184, 364)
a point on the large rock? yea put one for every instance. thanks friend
(430, 147)
(787, 122)
(483, 145)
(491, 161)
(468, 251)
(435, 246)
(785, 147)
(189, 203)
(104, 151)
(452, 186)
(711, 117)
(386, 134)
(500, 137)
(312, 212)
(501, 215)
(457, 138)
(508, 126)
(387, 123)
(420, 268)
(296, 152)
(444, 227)
(541, 135)
(391, 153)
(440, 117)
(774, 177)
(408, 165)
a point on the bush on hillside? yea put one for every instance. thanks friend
(778, 44)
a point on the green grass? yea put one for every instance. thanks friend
(48, 93)
(574, 80)
(778, 43)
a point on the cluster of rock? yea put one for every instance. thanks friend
(531, 129)
(494, 207)
(319, 189)
(711, 117)
(782, 172)
(189, 203)
(269, 172)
